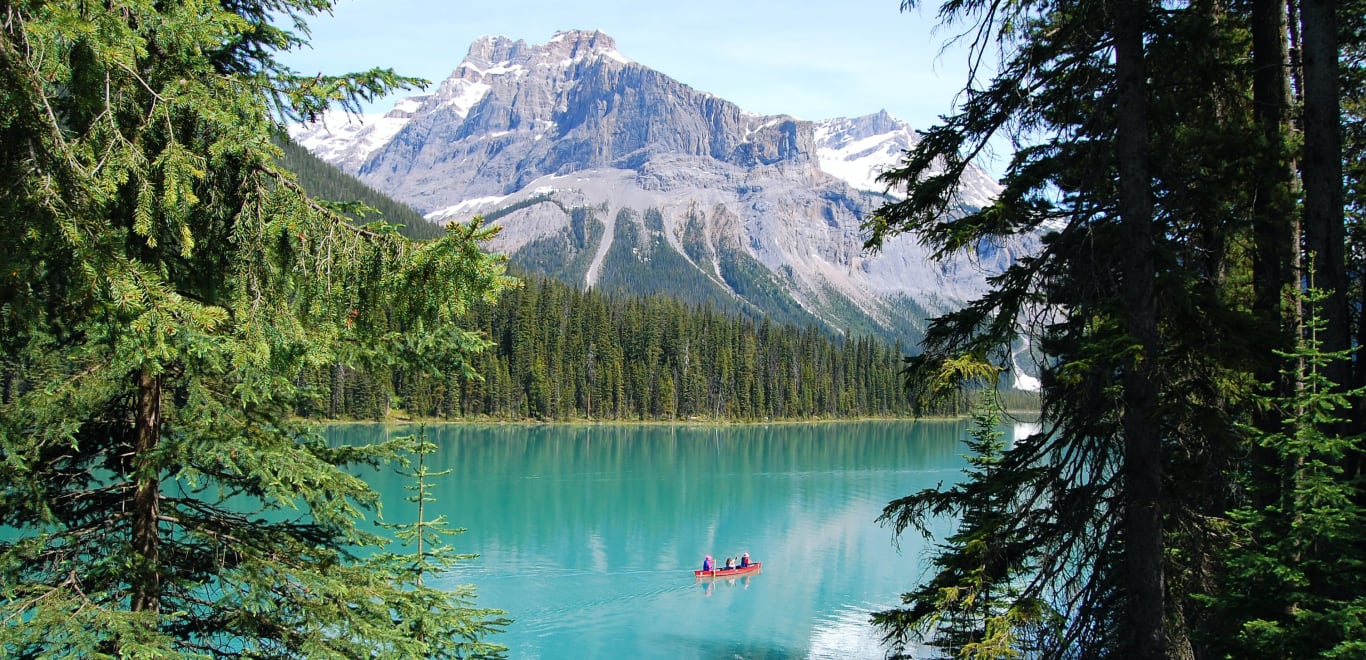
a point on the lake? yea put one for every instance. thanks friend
(588, 535)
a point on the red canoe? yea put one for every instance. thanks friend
(729, 572)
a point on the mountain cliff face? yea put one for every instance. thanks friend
(606, 173)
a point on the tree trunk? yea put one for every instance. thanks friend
(146, 498)
(335, 409)
(1274, 201)
(1145, 614)
(1321, 169)
(1275, 262)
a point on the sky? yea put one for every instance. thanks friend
(807, 58)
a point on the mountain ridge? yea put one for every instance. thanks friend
(590, 161)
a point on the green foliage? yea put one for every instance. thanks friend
(641, 261)
(566, 255)
(753, 282)
(433, 616)
(567, 354)
(1296, 567)
(973, 606)
(167, 287)
(694, 240)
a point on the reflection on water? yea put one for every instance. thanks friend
(845, 633)
(588, 535)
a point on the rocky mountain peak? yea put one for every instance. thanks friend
(576, 44)
(859, 149)
(512, 73)
(490, 49)
(847, 130)
(496, 55)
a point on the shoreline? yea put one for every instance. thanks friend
(397, 420)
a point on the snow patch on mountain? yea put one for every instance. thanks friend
(859, 162)
(857, 150)
(347, 140)
(463, 95)
(465, 208)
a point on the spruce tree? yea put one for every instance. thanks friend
(972, 606)
(435, 616)
(167, 287)
(1296, 565)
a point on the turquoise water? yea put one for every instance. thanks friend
(588, 535)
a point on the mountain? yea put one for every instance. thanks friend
(606, 173)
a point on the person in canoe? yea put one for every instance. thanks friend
(730, 564)
(744, 560)
(707, 563)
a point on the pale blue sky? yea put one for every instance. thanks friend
(812, 59)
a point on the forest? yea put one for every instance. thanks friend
(563, 354)
(1194, 171)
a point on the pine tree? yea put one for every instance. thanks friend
(167, 289)
(434, 616)
(972, 606)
